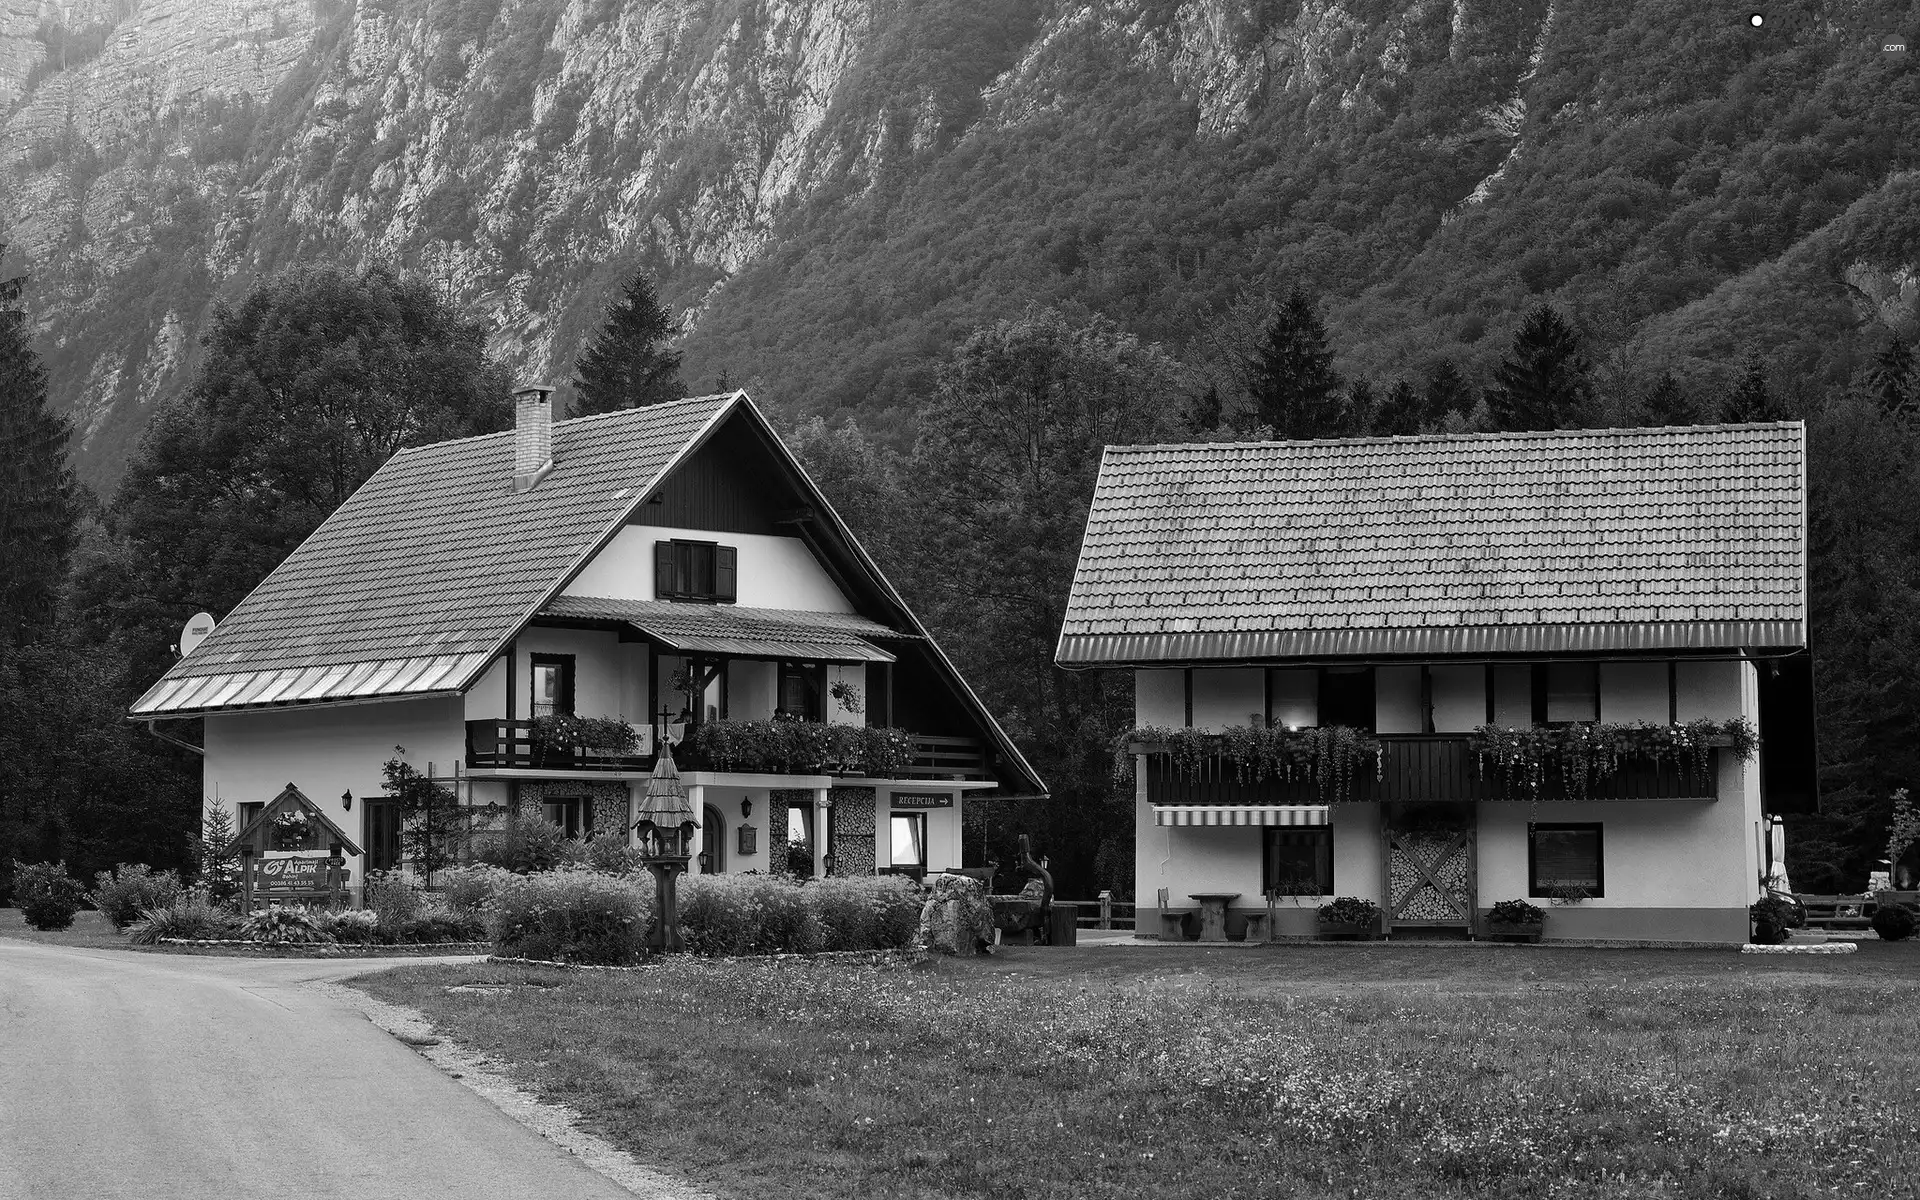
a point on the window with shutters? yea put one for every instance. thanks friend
(704, 571)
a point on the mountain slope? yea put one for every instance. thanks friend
(834, 190)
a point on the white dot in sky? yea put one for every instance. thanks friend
(1756, 20)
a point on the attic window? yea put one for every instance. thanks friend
(706, 572)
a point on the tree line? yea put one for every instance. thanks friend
(319, 374)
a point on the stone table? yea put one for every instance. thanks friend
(1213, 913)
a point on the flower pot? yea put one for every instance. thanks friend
(1512, 931)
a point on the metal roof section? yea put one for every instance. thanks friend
(1564, 542)
(775, 633)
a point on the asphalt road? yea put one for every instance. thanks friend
(167, 1077)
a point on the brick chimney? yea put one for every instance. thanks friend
(532, 435)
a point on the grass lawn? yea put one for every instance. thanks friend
(89, 929)
(1381, 1072)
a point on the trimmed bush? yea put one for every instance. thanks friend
(865, 914)
(46, 895)
(1893, 922)
(471, 890)
(747, 914)
(191, 915)
(275, 926)
(131, 889)
(572, 915)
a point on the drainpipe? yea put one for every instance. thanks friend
(153, 728)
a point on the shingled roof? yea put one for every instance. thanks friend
(1577, 541)
(419, 579)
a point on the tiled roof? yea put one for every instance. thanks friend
(1568, 541)
(419, 578)
(746, 632)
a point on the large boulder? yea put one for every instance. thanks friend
(956, 918)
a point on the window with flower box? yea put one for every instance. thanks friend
(1565, 858)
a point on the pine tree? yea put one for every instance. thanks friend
(1666, 404)
(1205, 414)
(1402, 413)
(1363, 406)
(1545, 382)
(1447, 391)
(1751, 400)
(1296, 391)
(1894, 379)
(39, 501)
(630, 364)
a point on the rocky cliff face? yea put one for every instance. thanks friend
(828, 188)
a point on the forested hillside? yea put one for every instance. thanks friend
(835, 191)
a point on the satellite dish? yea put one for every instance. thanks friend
(198, 627)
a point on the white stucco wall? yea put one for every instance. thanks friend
(602, 686)
(1396, 700)
(1459, 697)
(751, 688)
(1160, 698)
(251, 756)
(774, 572)
(487, 698)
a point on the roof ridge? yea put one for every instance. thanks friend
(1507, 435)
(618, 412)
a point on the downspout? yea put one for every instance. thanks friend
(152, 728)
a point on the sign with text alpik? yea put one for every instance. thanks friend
(297, 876)
(923, 800)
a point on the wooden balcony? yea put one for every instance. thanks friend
(1417, 767)
(510, 744)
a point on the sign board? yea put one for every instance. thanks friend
(198, 626)
(296, 876)
(923, 799)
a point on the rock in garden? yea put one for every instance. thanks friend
(955, 919)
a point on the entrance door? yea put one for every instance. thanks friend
(380, 833)
(713, 842)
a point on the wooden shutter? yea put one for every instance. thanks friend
(665, 586)
(726, 574)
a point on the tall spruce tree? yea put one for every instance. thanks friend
(1401, 413)
(1751, 400)
(630, 364)
(1666, 403)
(1546, 381)
(1296, 391)
(1446, 391)
(39, 501)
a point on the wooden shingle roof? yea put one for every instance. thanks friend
(1575, 541)
(414, 583)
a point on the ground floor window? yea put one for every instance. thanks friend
(1299, 862)
(909, 841)
(571, 813)
(1565, 859)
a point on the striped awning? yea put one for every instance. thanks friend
(1239, 814)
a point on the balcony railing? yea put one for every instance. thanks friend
(510, 744)
(1415, 767)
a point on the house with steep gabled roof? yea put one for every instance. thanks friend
(1568, 668)
(532, 615)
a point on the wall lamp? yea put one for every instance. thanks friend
(746, 807)
(346, 800)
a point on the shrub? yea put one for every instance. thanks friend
(572, 915)
(612, 856)
(130, 889)
(433, 927)
(191, 915)
(1893, 922)
(865, 914)
(747, 914)
(277, 926)
(393, 898)
(1349, 910)
(1516, 912)
(46, 895)
(470, 890)
(529, 844)
(352, 926)
(1772, 916)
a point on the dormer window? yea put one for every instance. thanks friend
(706, 572)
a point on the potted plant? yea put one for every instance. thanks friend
(1350, 917)
(1773, 916)
(1515, 919)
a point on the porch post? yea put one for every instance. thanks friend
(696, 800)
(823, 830)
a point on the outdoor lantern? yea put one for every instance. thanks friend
(746, 807)
(666, 828)
(346, 800)
(826, 863)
